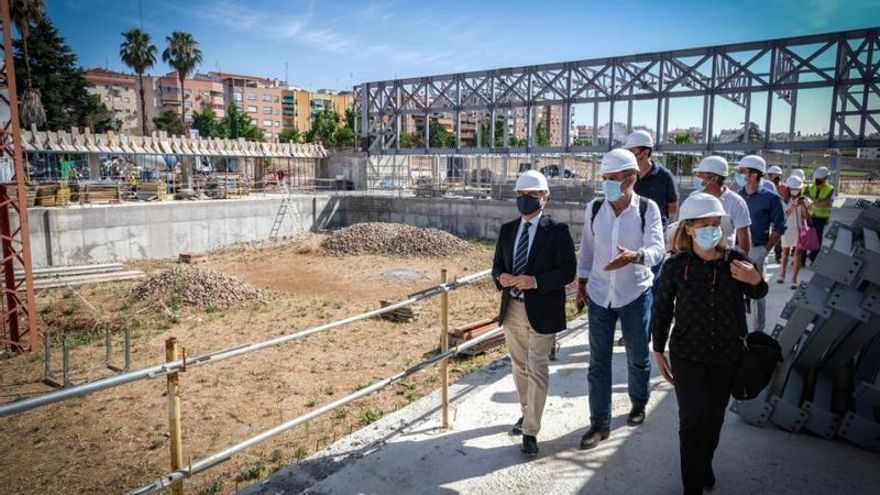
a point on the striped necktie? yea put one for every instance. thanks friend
(521, 256)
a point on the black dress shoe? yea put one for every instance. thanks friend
(709, 479)
(593, 436)
(530, 445)
(517, 427)
(636, 416)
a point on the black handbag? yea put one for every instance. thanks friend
(756, 366)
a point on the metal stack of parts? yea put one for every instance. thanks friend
(828, 383)
(63, 276)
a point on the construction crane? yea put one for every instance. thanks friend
(19, 316)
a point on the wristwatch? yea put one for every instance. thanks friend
(641, 259)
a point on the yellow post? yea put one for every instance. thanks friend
(174, 415)
(444, 346)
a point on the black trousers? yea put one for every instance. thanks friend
(702, 391)
(819, 225)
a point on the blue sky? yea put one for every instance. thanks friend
(332, 44)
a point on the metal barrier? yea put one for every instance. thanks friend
(829, 381)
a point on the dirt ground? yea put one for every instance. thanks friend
(115, 440)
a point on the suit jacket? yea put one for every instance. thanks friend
(553, 264)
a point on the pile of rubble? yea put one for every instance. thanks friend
(195, 286)
(393, 239)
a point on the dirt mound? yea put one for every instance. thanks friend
(393, 239)
(196, 286)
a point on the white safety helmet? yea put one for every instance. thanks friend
(774, 170)
(820, 173)
(618, 160)
(794, 182)
(701, 205)
(531, 180)
(798, 172)
(753, 162)
(713, 164)
(639, 138)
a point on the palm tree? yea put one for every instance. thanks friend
(23, 14)
(138, 54)
(183, 55)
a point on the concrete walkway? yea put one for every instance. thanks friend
(407, 453)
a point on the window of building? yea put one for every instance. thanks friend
(267, 110)
(204, 94)
(252, 96)
(277, 124)
(267, 123)
(277, 111)
(236, 96)
(267, 97)
(252, 109)
(277, 99)
(126, 99)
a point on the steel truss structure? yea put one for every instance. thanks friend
(18, 301)
(743, 74)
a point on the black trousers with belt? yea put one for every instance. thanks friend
(702, 391)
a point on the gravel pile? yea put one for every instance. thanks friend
(393, 239)
(199, 287)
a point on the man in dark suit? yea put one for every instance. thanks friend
(534, 261)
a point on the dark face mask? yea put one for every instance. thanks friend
(776, 180)
(527, 204)
(819, 182)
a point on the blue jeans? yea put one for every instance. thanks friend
(634, 320)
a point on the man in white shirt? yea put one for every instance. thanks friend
(622, 239)
(711, 174)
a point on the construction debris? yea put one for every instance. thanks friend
(191, 258)
(200, 287)
(400, 315)
(63, 276)
(393, 239)
(473, 330)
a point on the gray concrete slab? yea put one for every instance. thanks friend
(407, 452)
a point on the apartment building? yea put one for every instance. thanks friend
(200, 92)
(120, 93)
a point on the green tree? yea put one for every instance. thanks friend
(542, 134)
(582, 141)
(440, 137)
(325, 125)
(183, 55)
(289, 135)
(345, 137)
(407, 140)
(237, 124)
(97, 117)
(350, 119)
(25, 13)
(206, 123)
(139, 54)
(54, 75)
(168, 121)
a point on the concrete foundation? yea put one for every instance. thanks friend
(130, 231)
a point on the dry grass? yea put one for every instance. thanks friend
(115, 440)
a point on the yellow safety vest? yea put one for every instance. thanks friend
(820, 194)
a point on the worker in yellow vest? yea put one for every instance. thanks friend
(822, 194)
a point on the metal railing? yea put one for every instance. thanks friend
(175, 365)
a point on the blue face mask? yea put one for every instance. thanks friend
(612, 190)
(708, 237)
(527, 204)
(740, 179)
(698, 183)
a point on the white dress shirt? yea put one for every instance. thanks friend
(533, 227)
(617, 288)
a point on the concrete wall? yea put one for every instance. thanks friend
(352, 166)
(471, 218)
(106, 233)
(130, 231)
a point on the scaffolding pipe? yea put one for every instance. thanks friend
(178, 365)
(224, 455)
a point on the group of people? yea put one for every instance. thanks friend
(702, 296)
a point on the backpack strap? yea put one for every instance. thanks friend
(597, 204)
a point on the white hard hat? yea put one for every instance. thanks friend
(820, 173)
(639, 138)
(774, 170)
(713, 164)
(701, 205)
(618, 160)
(531, 180)
(753, 162)
(799, 173)
(794, 182)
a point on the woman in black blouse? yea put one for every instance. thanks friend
(704, 286)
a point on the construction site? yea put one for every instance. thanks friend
(214, 316)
